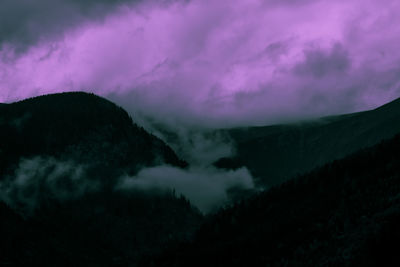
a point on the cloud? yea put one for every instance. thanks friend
(25, 22)
(320, 63)
(40, 180)
(205, 188)
(203, 148)
(198, 147)
(206, 64)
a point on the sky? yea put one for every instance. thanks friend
(205, 63)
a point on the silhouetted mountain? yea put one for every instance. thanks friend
(61, 159)
(346, 213)
(275, 153)
(81, 127)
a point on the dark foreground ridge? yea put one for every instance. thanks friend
(276, 153)
(98, 229)
(346, 213)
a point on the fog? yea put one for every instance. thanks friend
(206, 189)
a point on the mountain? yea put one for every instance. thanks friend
(274, 154)
(81, 127)
(346, 213)
(62, 158)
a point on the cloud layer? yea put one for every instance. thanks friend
(42, 181)
(207, 189)
(209, 63)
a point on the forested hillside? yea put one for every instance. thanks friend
(81, 127)
(61, 159)
(276, 153)
(99, 229)
(345, 213)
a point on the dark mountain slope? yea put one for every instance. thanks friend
(276, 153)
(346, 213)
(96, 230)
(61, 157)
(81, 127)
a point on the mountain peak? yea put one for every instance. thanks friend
(78, 126)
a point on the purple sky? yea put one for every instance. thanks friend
(205, 62)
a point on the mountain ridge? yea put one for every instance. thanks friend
(79, 126)
(62, 157)
(342, 213)
(345, 213)
(275, 153)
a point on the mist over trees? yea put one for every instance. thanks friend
(345, 213)
(81, 184)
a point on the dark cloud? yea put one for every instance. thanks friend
(24, 22)
(319, 63)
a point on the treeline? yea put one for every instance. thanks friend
(346, 213)
(100, 229)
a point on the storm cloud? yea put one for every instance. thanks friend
(25, 22)
(206, 64)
